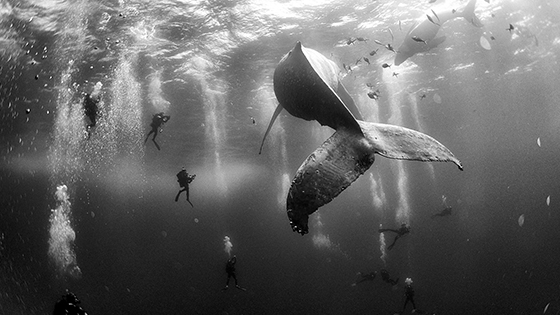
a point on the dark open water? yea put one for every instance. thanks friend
(122, 244)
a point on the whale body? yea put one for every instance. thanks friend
(308, 86)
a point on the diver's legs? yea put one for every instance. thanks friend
(391, 246)
(157, 145)
(388, 230)
(187, 188)
(179, 193)
(148, 135)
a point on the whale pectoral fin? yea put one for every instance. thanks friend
(435, 42)
(336, 164)
(276, 113)
(395, 142)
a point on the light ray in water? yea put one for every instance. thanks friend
(159, 103)
(62, 236)
(395, 90)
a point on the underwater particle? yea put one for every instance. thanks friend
(521, 220)
(437, 98)
(485, 43)
(548, 200)
(539, 141)
(163, 233)
(27, 111)
(195, 220)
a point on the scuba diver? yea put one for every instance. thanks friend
(443, 213)
(385, 276)
(403, 230)
(409, 296)
(230, 269)
(365, 277)
(68, 305)
(184, 180)
(91, 108)
(446, 211)
(157, 121)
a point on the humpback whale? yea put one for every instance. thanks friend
(427, 28)
(308, 86)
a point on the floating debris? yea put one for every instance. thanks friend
(521, 220)
(485, 43)
(437, 98)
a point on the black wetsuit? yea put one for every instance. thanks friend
(368, 277)
(400, 232)
(409, 296)
(158, 120)
(385, 276)
(91, 111)
(443, 213)
(230, 269)
(184, 180)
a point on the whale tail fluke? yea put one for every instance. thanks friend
(468, 14)
(346, 155)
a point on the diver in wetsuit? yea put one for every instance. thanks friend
(409, 296)
(184, 180)
(230, 269)
(366, 277)
(91, 108)
(403, 230)
(68, 305)
(443, 213)
(157, 121)
(385, 277)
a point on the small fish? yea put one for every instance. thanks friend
(370, 85)
(392, 37)
(546, 307)
(539, 141)
(400, 25)
(378, 42)
(521, 220)
(492, 37)
(453, 11)
(548, 200)
(431, 20)
(423, 96)
(437, 17)
(373, 52)
(510, 28)
(366, 60)
(361, 39)
(254, 121)
(487, 1)
(396, 74)
(432, 1)
(350, 41)
(418, 39)
(358, 61)
(386, 65)
(390, 47)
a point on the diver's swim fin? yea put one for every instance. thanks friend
(276, 113)
(346, 155)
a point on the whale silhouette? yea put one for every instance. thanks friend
(307, 85)
(422, 35)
